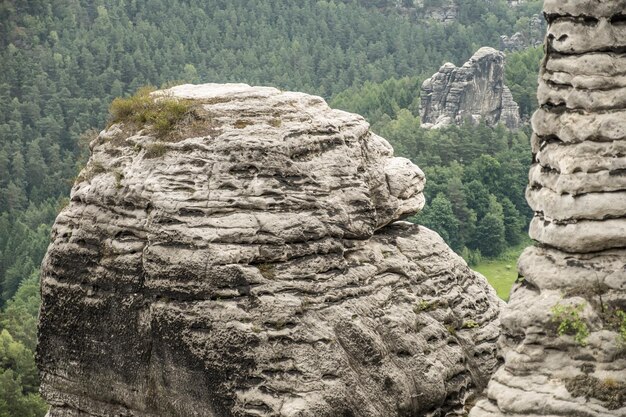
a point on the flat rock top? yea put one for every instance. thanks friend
(233, 91)
(211, 90)
(262, 97)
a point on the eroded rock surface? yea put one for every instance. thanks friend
(564, 330)
(474, 92)
(251, 263)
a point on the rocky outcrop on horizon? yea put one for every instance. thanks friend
(447, 11)
(253, 262)
(444, 11)
(515, 42)
(564, 330)
(532, 36)
(472, 93)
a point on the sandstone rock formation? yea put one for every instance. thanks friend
(250, 262)
(515, 42)
(564, 330)
(473, 92)
(446, 11)
(530, 36)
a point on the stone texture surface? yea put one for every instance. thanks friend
(577, 188)
(474, 92)
(253, 264)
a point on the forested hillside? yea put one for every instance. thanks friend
(476, 175)
(62, 63)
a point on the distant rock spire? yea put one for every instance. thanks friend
(474, 92)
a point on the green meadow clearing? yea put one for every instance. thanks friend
(502, 271)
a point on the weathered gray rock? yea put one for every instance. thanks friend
(531, 36)
(251, 263)
(549, 375)
(445, 11)
(515, 42)
(563, 335)
(474, 92)
(570, 207)
(588, 71)
(576, 127)
(593, 10)
(579, 235)
(576, 183)
(573, 35)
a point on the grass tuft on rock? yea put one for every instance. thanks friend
(610, 391)
(160, 113)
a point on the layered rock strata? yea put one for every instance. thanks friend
(250, 262)
(564, 330)
(472, 93)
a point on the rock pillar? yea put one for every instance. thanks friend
(564, 331)
(473, 93)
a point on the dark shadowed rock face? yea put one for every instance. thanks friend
(564, 330)
(474, 92)
(253, 265)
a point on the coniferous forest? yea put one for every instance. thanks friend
(62, 63)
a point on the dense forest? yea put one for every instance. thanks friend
(475, 175)
(61, 65)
